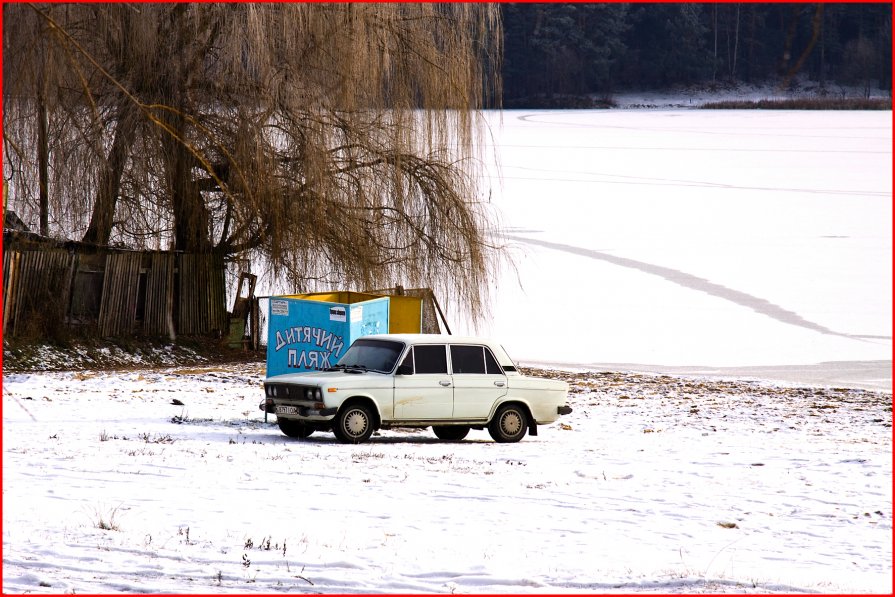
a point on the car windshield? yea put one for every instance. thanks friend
(371, 355)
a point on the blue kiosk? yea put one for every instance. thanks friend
(312, 332)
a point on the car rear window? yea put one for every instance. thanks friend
(472, 359)
(468, 359)
(491, 365)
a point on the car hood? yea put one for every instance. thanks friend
(313, 378)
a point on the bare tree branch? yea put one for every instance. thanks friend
(336, 143)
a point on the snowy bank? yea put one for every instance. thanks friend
(652, 484)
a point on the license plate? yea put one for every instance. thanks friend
(286, 410)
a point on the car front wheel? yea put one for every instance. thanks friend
(509, 424)
(294, 428)
(451, 433)
(353, 424)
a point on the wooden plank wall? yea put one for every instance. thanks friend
(11, 261)
(188, 295)
(118, 310)
(218, 318)
(158, 314)
(36, 282)
(185, 292)
(201, 294)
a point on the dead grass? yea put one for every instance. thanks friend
(106, 519)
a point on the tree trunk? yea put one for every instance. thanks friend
(191, 230)
(816, 27)
(99, 231)
(715, 34)
(884, 42)
(43, 161)
(750, 61)
(736, 44)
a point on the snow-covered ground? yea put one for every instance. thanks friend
(652, 484)
(698, 240)
(704, 244)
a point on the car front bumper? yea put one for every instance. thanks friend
(269, 406)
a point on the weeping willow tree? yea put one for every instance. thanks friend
(340, 143)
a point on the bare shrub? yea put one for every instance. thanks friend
(105, 518)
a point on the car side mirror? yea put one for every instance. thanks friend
(404, 369)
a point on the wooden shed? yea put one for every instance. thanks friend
(109, 292)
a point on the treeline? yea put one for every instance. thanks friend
(574, 50)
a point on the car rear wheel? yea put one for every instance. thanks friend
(509, 424)
(353, 424)
(451, 433)
(294, 428)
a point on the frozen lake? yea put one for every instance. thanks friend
(750, 243)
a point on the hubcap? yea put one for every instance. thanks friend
(355, 423)
(512, 423)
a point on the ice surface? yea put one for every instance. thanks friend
(695, 238)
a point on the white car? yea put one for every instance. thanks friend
(450, 383)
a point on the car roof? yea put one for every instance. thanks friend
(433, 338)
(415, 339)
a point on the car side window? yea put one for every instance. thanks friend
(491, 365)
(468, 359)
(430, 358)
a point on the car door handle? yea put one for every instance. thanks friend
(445, 383)
(499, 384)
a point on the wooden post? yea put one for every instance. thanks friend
(443, 318)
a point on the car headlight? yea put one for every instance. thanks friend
(318, 393)
(309, 393)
